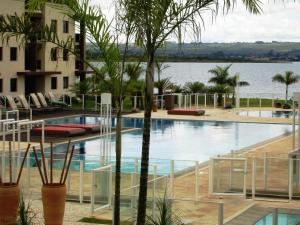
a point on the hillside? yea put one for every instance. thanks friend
(258, 51)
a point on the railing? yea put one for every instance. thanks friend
(188, 100)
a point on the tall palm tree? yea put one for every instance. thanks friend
(155, 21)
(233, 83)
(288, 78)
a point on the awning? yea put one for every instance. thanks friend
(83, 72)
(38, 73)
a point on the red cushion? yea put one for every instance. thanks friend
(56, 130)
(89, 127)
(194, 112)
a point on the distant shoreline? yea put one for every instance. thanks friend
(132, 59)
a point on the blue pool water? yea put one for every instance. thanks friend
(181, 140)
(283, 219)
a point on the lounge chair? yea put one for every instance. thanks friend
(54, 101)
(53, 130)
(37, 104)
(26, 105)
(43, 101)
(13, 105)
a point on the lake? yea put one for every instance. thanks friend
(259, 75)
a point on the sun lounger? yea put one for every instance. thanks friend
(11, 102)
(26, 105)
(44, 103)
(191, 112)
(55, 101)
(38, 105)
(59, 131)
(88, 127)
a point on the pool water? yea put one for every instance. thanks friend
(180, 140)
(267, 114)
(283, 219)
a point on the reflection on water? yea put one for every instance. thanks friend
(267, 114)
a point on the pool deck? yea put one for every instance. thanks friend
(200, 211)
(217, 115)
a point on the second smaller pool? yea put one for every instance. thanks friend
(283, 219)
(267, 114)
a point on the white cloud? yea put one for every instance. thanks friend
(279, 21)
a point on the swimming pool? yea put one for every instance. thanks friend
(181, 140)
(267, 114)
(283, 219)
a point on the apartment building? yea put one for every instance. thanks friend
(39, 66)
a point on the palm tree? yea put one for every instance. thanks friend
(194, 87)
(155, 21)
(288, 78)
(162, 85)
(160, 66)
(233, 82)
(220, 79)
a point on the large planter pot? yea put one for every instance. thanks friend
(9, 203)
(54, 197)
(154, 107)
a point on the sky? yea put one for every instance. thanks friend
(280, 21)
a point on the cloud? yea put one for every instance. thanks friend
(279, 21)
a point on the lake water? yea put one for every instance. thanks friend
(259, 75)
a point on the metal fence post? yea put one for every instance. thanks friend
(172, 178)
(220, 213)
(290, 179)
(135, 102)
(215, 101)
(154, 190)
(205, 100)
(259, 102)
(275, 217)
(197, 100)
(81, 182)
(83, 99)
(95, 102)
(265, 171)
(224, 97)
(253, 177)
(248, 102)
(196, 180)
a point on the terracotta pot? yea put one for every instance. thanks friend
(154, 107)
(9, 203)
(54, 197)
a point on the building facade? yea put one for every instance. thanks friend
(38, 66)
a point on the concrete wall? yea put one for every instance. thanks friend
(9, 69)
(51, 12)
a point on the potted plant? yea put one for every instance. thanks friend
(53, 193)
(10, 192)
(277, 104)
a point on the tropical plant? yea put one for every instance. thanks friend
(233, 83)
(98, 32)
(163, 85)
(154, 22)
(194, 87)
(176, 88)
(26, 216)
(164, 214)
(288, 78)
(160, 67)
(133, 71)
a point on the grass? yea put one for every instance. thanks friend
(101, 221)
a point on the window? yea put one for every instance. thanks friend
(13, 54)
(53, 54)
(1, 53)
(66, 27)
(66, 54)
(1, 85)
(53, 83)
(13, 84)
(53, 26)
(66, 82)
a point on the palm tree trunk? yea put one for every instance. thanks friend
(142, 202)
(286, 92)
(118, 163)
